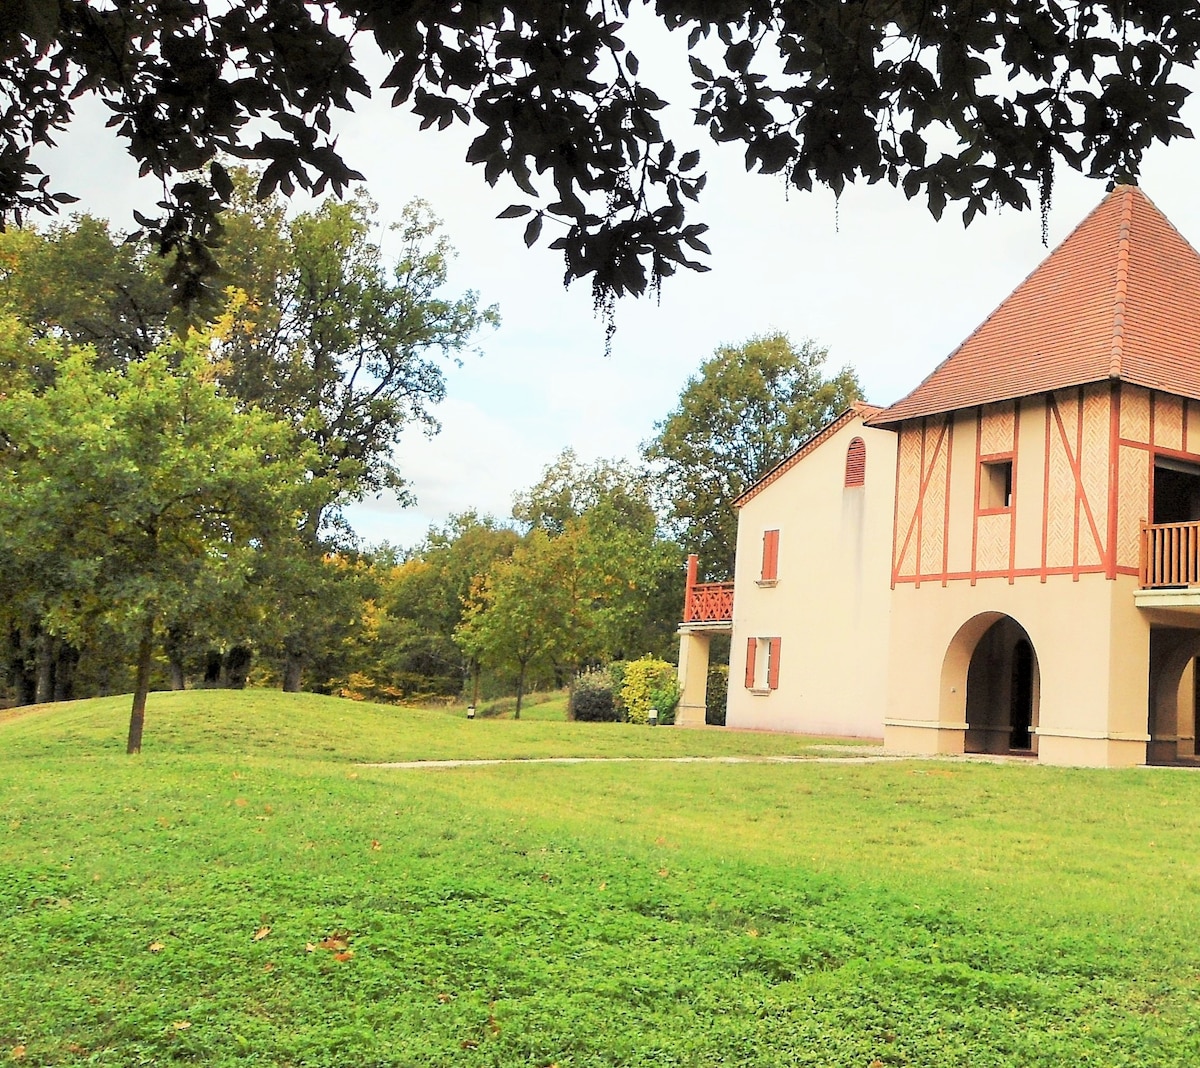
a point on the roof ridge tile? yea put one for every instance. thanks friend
(1117, 351)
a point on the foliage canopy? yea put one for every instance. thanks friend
(971, 103)
(747, 409)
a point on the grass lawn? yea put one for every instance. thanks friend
(245, 893)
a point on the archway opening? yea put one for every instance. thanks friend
(1174, 695)
(1002, 691)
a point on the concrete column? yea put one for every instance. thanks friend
(693, 677)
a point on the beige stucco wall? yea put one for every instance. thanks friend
(830, 603)
(1092, 650)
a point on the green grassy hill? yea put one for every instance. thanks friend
(246, 892)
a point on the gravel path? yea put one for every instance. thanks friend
(871, 755)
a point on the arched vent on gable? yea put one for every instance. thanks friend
(856, 463)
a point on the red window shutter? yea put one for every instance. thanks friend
(773, 663)
(751, 649)
(856, 463)
(770, 561)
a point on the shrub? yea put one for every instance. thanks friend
(716, 695)
(592, 698)
(648, 684)
(616, 672)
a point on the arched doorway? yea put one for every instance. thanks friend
(1002, 691)
(1174, 695)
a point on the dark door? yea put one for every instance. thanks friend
(1021, 696)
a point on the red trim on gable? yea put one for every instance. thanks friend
(858, 409)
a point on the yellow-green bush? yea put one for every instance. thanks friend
(648, 684)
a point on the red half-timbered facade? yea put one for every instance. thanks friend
(1039, 591)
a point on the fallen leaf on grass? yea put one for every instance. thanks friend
(241, 802)
(182, 1025)
(663, 872)
(469, 1043)
(75, 1048)
(156, 947)
(268, 967)
(603, 886)
(339, 940)
(445, 998)
(17, 1053)
(752, 932)
(344, 956)
(375, 844)
(261, 933)
(310, 947)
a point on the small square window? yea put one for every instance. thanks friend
(995, 485)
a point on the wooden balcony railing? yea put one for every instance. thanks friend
(706, 602)
(1170, 555)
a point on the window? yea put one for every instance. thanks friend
(856, 463)
(770, 557)
(762, 664)
(995, 485)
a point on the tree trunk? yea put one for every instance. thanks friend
(520, 691)
(137, 715)
(44, 691)
(175, 642)
(237, 667)
(212, 669)
(293, 672)
(23, 680)
(66, 656)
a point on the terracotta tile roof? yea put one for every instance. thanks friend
(1119, 298)
(858, 410)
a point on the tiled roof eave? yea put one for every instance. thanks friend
(890, 418)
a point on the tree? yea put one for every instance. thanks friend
(423, 602)
(324, 332)
(569, 488)
(821, 93)
(749, 407)
(84, 285)
(520, 615)
(137, 495)
(630, 575)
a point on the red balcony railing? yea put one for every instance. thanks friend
(1170, 555)
(706, 602)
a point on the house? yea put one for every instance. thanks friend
(1007, 560)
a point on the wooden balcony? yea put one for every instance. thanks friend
(1170, 556)
(708, 603)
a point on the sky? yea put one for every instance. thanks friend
(872, 277)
